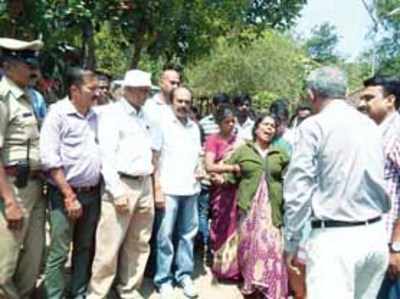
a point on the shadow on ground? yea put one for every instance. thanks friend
(209, 288)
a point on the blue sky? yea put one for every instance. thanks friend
(350, 18)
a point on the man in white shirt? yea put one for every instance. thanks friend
(156, 105)
(245, 124)
(336, 180)
(127, 210)
(178, 187)
(154, 108)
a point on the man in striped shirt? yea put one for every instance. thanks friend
(207, 123)
(381, 97)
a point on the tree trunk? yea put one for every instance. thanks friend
(137, 51)
(88, 47)
(139, 41)
(15, 10)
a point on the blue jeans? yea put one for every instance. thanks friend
(204, 206)
(390, 289)
(180, 222)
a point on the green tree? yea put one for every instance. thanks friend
(177, 30)
(273, 14)
(269, 67)
(321, 46)
(386, 51)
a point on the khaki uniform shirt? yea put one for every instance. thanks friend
(18, 124)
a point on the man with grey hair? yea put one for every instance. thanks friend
(336, 181)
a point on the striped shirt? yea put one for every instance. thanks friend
(208, 125)
(391, 143)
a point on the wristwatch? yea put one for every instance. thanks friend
(395, 247)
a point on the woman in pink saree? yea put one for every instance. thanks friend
(223, 205)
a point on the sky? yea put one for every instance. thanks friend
(350, 18)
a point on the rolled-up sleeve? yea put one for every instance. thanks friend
(50, 141)
(300, 183)
(108, 142)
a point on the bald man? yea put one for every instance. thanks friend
(177, 188)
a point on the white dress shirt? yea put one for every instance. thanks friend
(154, 109)
(125, 143)
(245, 131)
(180, 151)
(336, 171)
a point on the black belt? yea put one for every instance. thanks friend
(335, 223)
(86, 189)
(33, 174)
(79, 190)
(131, 177)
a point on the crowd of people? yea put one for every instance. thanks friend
(305, 206)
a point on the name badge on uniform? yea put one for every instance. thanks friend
(27, 114)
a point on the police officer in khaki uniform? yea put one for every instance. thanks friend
(22, 208)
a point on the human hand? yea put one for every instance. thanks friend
(159, 200)
(290, 259)
(14, 215)
(217, 179)
(121, 204)
(394, 265)
(72, 206)
(236, 169)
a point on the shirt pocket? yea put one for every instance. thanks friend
(24, 126)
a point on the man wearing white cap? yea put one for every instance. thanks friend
(127, 211)
(22, 208)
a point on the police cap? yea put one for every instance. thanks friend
(26, 52)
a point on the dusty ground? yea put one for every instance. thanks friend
(203, 279)
(207, 286)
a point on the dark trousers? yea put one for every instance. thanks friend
(63, 233)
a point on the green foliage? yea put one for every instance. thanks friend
(388, 47)
(268, 67)
(356, 74)
(275, 14)
(175, 30)
(112, 51)
(321, 46)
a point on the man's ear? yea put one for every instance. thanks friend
(310, 95)
(73, 89)
(391, 99)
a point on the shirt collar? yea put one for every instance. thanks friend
(388, 122)
(188, 124)
(130, 109)
(157, 99)
(248, 123)
(71, 109)
(332, 104)
(13, 88)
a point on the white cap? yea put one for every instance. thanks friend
(19, 45)
(137, 78)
